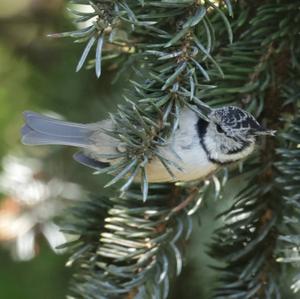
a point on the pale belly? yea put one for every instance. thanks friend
(194, 166)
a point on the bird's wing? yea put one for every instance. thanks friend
(103, 147)
(90, 162)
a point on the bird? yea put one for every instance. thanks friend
(198, 148)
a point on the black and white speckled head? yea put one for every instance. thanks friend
(236, 122)
(230, 134)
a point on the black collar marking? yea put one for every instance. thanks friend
(201, 130)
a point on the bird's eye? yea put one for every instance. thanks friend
(219, 129)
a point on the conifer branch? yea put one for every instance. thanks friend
(127, 248)
(259, 64)
(173, 42)
(288, 182)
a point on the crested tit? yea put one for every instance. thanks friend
(200, 147)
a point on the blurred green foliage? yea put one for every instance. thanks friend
(43, 277)
(38, 74)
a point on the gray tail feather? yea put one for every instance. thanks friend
(40, 129)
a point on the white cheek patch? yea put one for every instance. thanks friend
(218, 145)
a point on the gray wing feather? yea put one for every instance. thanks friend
(90, 162)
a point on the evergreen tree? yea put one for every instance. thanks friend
(192, 53)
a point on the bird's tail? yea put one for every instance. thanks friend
(40, 129)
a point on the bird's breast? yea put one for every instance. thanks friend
(187, 161)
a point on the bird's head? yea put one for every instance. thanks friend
(230, 134)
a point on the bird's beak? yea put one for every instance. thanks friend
(265, 132)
